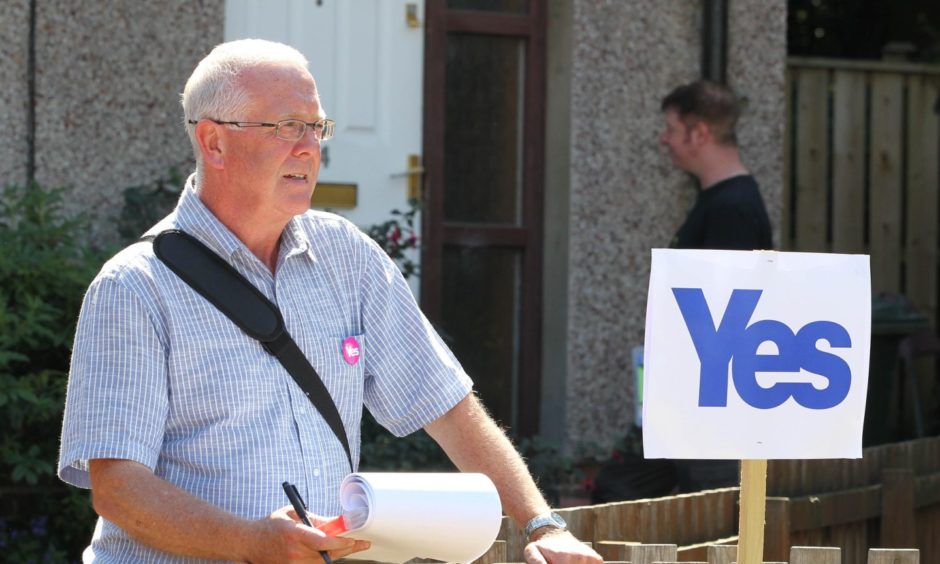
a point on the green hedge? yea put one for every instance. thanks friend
(44, 270)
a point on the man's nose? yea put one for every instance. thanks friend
(308, 144)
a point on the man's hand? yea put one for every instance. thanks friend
(287, 539)
(168, 518)
(559, 547)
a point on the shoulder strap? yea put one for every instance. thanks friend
(236, 297)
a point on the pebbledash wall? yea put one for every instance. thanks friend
(611, 193)
(107, 80)
(107, 76)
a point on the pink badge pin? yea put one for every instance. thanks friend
(351, 350)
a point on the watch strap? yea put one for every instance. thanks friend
(551, 519)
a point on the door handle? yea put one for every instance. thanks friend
(414, 173)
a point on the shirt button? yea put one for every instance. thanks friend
(316, 472)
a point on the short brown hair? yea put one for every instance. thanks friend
(712, 102)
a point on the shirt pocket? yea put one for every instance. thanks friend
(343, 378)
(339, 361)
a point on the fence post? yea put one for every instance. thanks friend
(613, 551)
(898, 528)
(893, 556)
(650, 553)
(815, 555)
(515, 540)
(777, 529)
(722, 554)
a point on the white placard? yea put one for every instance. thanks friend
(756, 355)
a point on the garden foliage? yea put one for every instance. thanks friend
(44, 270)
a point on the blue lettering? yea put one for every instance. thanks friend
(747, 363)
(733, 342)
(825, 364)
(715, 347)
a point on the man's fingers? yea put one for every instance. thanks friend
(359, 546)
(341, 546)
(533, 555)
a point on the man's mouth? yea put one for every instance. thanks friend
(295, 176)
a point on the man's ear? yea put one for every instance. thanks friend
(211, 145)
(701, 134)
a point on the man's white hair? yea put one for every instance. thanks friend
(213, 90)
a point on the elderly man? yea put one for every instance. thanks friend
(184, 427)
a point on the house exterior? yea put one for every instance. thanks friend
(535, 123)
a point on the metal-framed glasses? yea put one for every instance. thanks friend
(286, 129)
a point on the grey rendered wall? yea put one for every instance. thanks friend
(624, 196)
(108, 78)
(757, 46)
(14, 96)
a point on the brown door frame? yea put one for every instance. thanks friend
(529, 236)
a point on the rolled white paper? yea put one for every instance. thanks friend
(453, 517)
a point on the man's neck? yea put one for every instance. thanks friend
(261, 235)
(720, 164)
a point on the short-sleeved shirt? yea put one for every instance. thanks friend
(161, 377)
(730, 215)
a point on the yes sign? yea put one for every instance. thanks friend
(734, 341)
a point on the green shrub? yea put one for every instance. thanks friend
(382, 451)
(146, 204)
(44, 270)
(397, 236)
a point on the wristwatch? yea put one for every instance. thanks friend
(552, 519)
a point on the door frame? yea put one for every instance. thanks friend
(528, 237)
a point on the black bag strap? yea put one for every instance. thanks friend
(236, 297)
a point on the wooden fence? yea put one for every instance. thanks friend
(890, 498)
(636, 553)
(862, 173)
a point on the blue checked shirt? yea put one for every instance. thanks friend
(161, 377)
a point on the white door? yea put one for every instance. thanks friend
(367, 58)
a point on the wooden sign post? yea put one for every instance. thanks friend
(752, 507)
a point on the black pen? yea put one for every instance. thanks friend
(301, 508)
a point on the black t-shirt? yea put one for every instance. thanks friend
(730, 215)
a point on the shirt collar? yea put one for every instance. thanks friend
(196, 219)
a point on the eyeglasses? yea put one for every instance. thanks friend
(286, 129)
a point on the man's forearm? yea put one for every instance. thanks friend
(475, 443)
(165, 517)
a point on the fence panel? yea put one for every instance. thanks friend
(928, 532)
(852, 504)
(923, 182)
(848, 162)
(812, 153)
(862, 170)
(887, 93)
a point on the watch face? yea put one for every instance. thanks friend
(556, 518)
